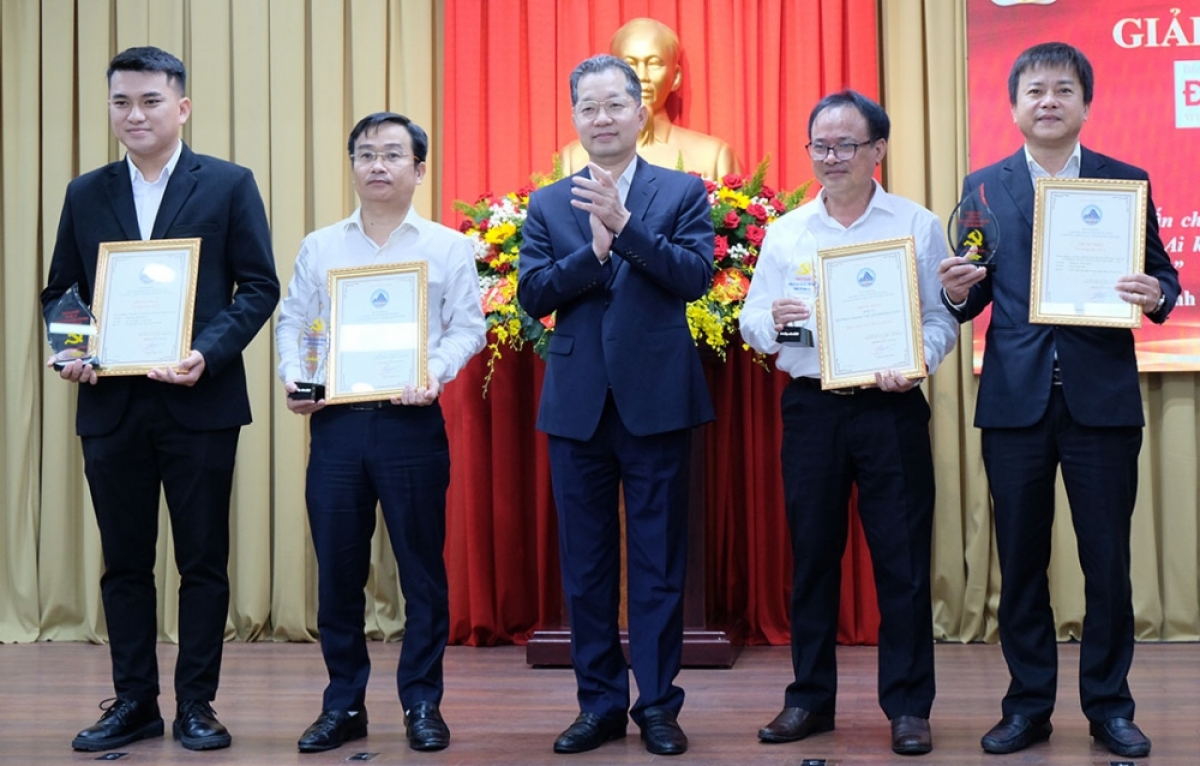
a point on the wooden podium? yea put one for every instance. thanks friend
(703, 646)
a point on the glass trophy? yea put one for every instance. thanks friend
(71, 330)
(314, 352)
(972, 225)
(802, 283)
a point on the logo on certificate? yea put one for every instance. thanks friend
(1091, 215)
(379, 299)
(866, 278)
(1187, 94)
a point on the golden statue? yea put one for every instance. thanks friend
(652, 49)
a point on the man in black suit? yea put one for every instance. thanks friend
(177, 427)
(618, 250)
(1058, 396)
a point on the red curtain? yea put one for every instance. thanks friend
(752, 71)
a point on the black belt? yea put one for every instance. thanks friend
(370, 406)
(814, 384)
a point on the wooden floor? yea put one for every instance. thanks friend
(501, 711)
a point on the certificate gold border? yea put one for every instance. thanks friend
(1137, 259)
(916, 336)
(110, 251)
(335, 276)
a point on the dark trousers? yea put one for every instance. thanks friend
(1099, 470)
(879, 441)
(125, 470)
(396, 457)
(587, 476)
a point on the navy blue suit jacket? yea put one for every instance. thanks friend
(622, 324)
(236, 289)
(1098, 365)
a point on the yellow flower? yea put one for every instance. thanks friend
(734, 197)
(498, 234)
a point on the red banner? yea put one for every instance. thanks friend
(1145, 110)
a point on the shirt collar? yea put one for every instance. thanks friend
(412, 220)
(1037, 170)
(880, 200)
(136, 175)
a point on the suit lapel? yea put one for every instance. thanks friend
(120, 195)
(179, 188)
(641, 193)
(1091, 165)
(1019, 184)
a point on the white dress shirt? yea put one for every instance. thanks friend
(456, 327)
(887, 217)
(147, 196)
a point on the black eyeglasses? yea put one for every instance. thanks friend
(841, 152)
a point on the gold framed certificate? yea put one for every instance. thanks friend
(144, 302)
(869, 313)
(378, 324)
(1087, 233)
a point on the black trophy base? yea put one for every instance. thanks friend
(308, 392)
(61, 364)
(795, 336)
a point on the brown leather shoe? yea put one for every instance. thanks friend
(911, 735)
(794, 723)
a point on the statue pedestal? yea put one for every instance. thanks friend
(703, 645)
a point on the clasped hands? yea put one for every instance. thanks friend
(599, 198)
(410, 396)
(959, 274)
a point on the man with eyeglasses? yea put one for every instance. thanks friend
(875, 437)
(392, 453)
(618, 250)
(1057, 397)
(174, 431)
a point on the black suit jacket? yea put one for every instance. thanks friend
(236, 289)
(621, 325)
(1098, 365)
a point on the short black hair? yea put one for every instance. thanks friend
(150, 59)
(878, 125)
(1051, 56)
(420, 140)
(602, 63)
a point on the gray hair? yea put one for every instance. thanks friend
(602, 63)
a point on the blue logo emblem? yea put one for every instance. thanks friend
(866, 278)
(379, 298)
(1091, 215)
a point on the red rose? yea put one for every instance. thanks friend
(710, 186)
(750, 260)
(731, 283)
(466, 225)
(503, 268)
(755, 234)
(733, 181)
(720, 247)
(766, 191)
(758, 211)
(778, 205)
(732, 220)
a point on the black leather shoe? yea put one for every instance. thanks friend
(197, 728)
(911, 735)
(589, 732)
(333, 728)
(1015, 732)
(425, 728)
(124, 721)
(1122, 737)
(661, 732)
(794, 723)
